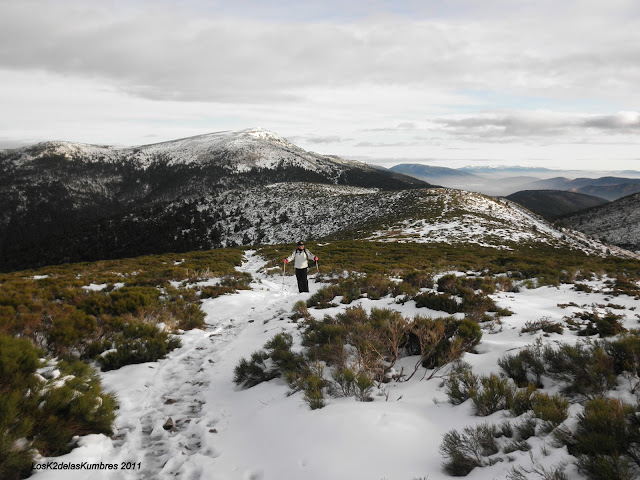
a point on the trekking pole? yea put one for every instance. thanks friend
(284, 267)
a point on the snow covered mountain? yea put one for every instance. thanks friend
(66, 202)
(59, 193)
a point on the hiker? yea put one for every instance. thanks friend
(300, 258)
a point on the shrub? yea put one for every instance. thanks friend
(45, 413)
(467, 450)
(440, 303)
(313, 385)
(516, 445)
(137, 343)
(441, 340)
(544, 324)
(363, 386)
(526, 428)
(237, 281)
(460, 382)
(523, 400)
(606, 467)
(300, 311)
(448, 283)
(606, 439)
(76, 408)
(492, 395)
(376, 286)
(322, 298)
(526, 367)
(625, 353)
(586, 371)
(68, 326)
(552, 410)
(249, 373)
(345, 379)
(284, 362)
(419, 279)
(602, 428)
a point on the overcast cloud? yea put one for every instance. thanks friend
(343, 75)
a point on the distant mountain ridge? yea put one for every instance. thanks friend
(609, 188)
(62, 191)
(504, 181)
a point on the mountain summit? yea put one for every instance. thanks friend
(59, 192)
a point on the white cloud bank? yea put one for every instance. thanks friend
(464, 76)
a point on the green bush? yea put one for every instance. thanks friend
(606, 326)
(526, 428)
(523, 400)
(419, 279)
(460, 383)
(249, 373)
(526, 367)
(363, 386)
(438, 302)
(625, 353)
(137, 343)
(607, 440)
(587, 371)
(47, 413)
(544, 324)
(467, 450)
(284, 362)
(345, 380)
(492, 395)
(552, 410)
(313, 385)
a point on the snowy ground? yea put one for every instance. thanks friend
(222, 432)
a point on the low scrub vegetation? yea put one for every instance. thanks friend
(360, 350)
(116, 312)
(605, 439)
(44, 403)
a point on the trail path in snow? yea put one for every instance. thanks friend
(178, 387)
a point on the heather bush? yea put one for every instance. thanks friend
(438, 302)
(419, 279)
(345, 379)
(586, 371)
(138, 342)
(526, 428)
(491, 395)
(313, 384)
(460, 382)
(47, 413)
(363, 386)
(552, 410)
(544, 324)
(526, 367)
(466, 450)
(606, 441)
(277, 359)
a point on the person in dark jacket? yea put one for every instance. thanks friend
(300, 258)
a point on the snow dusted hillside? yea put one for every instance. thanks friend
(183, 417)
(238, 152)
(617, 222)
(454, 216)
(285, 212)
(57, 194)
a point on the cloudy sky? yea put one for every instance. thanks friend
(449, 82)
